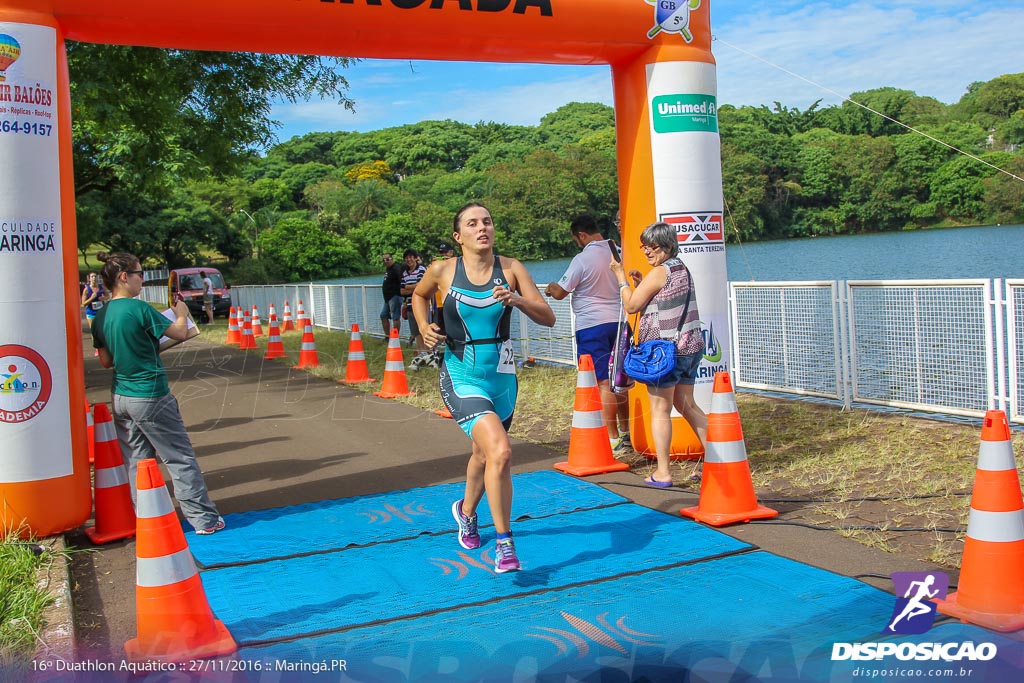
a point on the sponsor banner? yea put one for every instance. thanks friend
(35, 428)
(685, 151)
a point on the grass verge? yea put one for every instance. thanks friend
(890, 481)
(24, 597)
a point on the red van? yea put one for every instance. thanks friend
(188, 283)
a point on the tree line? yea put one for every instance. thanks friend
(172, 174)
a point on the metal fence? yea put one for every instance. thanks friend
(945, 346)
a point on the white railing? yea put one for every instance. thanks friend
(945, 346)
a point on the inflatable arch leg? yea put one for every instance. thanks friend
(670, 170)
(44, 471)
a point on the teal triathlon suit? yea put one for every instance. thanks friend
(478, 375)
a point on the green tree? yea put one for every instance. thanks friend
(303, 251)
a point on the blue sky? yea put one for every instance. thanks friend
(934, 48)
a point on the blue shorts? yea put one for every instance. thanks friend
(392, 308)
(685, 371)
(598, 341)
(473, 387)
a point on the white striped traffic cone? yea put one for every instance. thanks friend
(590, 452)
(288, 324)
(174, 619)
(395, 381)
(991, 585)
(114, 516)
(726, 489)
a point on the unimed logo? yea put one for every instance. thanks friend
(685, 113)
(914, 614)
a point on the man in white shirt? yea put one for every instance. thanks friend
(207, 296)
(596, 306)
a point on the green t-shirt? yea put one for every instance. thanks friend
(130, 330)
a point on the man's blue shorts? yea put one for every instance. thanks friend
(598, 341)
(392, 308)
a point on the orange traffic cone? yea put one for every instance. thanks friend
(590, 452)
(395, 382)
(234, 333)
(248, 341)
(115, 516)
(275, 349)
(301, 318)
(173, 616)
(288, 324)
(991, 586)
(308, 357)
(257, 327)
(90, 432)
(356, 370)
(271, 313)
(444, 412)
(726, 489)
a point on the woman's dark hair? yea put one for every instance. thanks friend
(467, 207)
(115, 264)
(661, 235)
(410, 252)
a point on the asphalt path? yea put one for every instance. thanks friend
(269, 436)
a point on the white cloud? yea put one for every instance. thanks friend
(935, 48)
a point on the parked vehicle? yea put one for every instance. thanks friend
(188, 284)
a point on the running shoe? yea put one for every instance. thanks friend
(505, 559)
(469, 537)
(218, 525)
(621, 444)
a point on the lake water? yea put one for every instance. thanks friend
(980, 252)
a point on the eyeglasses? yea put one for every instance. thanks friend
(647, 248)
(387, 259)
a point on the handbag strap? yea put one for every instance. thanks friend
(686, 309)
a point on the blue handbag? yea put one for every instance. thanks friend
(650, 361)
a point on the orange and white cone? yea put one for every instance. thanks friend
(173, 616)
(115, 516)
(288, 324)
(308, 357)
(726, 489)
(90, 432)
(248, 341)
(257, 326)
(271, 313)
(234, 333)
(590, 452)
(991, 586)
(275, 349)
(395, 382)
(356, 370)
(301, 318)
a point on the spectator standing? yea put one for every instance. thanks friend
(411, 275)
(207, 296)
(391, 313)
(597, 310)
(668, 299)
(127, 333)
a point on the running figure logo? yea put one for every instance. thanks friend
(913, 613)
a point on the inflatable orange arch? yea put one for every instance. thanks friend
(669, 167)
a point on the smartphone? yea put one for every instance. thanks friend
(615, 250)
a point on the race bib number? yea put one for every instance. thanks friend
(96, 305)
(507, 359)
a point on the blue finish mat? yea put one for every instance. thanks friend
(327, 525)
(747, 617)
(356, 586)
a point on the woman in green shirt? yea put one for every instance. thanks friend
(147, 419)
